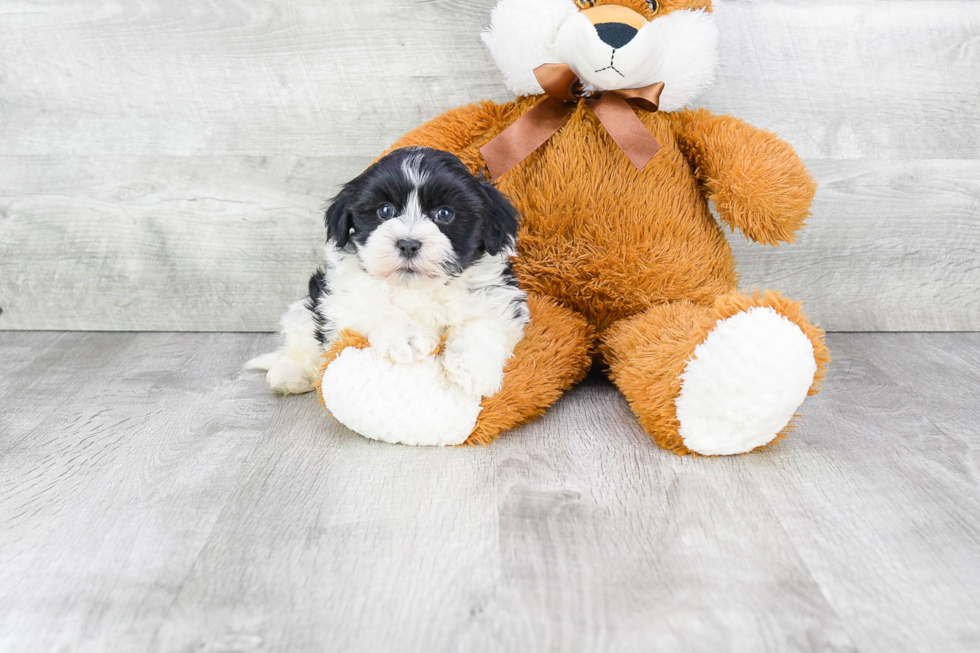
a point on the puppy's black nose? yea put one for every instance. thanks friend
(616, 34)
(408, 247)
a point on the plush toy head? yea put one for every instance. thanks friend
(609, 44)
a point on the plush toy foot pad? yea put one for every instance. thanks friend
(744, 383)
(401, 404)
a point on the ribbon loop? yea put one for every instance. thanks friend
(647, 97)
(564, 90)
(559, 82)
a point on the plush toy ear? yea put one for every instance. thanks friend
(500, 227)
(339, 217)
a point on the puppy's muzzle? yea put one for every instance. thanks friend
(615, 25)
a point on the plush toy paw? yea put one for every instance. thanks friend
(401, 404)
(477, 375)
(744, 383)
(405, 344)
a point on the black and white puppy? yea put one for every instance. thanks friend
(417, 249)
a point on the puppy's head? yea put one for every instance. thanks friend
(417, 216)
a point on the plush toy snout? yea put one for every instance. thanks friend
(615, 25)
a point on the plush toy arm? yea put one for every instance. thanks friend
(757, 182)
(460, 131)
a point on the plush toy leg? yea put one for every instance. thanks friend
(719, 380)
(554, 355)
(414, 403)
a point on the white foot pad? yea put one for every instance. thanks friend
(744, 383)
(398, 403)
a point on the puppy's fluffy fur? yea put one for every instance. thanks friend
(418, 250)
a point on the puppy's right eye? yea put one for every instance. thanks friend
(386, 212)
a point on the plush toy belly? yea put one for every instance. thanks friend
(412, 404)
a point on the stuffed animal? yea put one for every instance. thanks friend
(618, 250)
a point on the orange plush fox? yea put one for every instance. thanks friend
(620, 255)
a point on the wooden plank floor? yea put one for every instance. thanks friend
(153, 497)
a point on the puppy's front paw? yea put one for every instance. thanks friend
(287, 377)
(403, 345)
(475, 374)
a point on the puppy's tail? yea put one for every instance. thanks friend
(264, 362)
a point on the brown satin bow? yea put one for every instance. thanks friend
(564, 89)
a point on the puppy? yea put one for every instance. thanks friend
(418, 250)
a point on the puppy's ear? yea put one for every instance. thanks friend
(339, 217)
(500, 223)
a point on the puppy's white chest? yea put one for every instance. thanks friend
(434, 308)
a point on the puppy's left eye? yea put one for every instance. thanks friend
(444, 216)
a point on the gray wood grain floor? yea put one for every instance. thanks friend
(153, 497)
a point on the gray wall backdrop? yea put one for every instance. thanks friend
(163, 163)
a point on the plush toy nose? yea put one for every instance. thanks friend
(616, 25)
(408, 247)
(615, 35)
